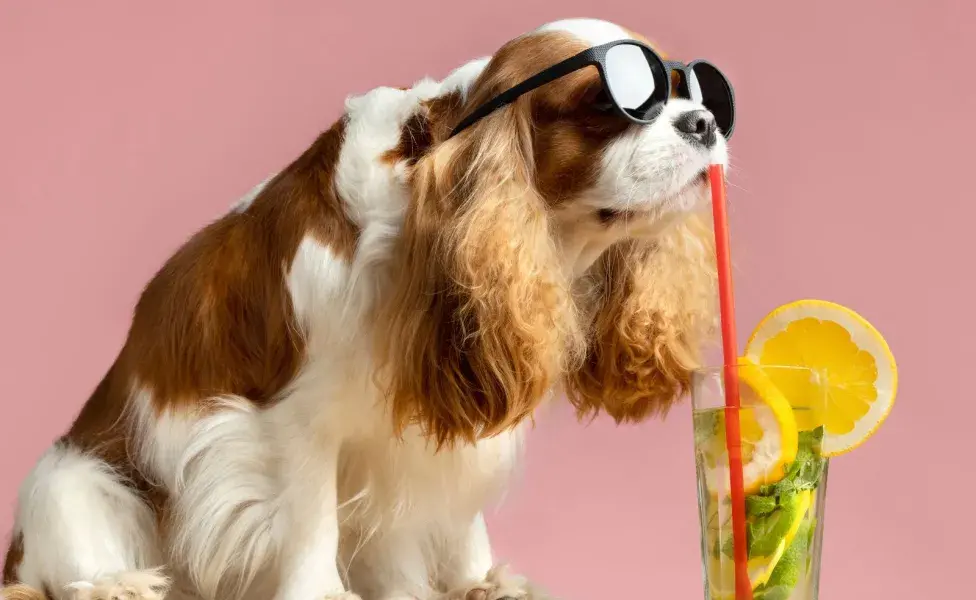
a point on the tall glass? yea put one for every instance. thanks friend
(785, 479)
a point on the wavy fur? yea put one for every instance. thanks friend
(651, 304)
(481, 324)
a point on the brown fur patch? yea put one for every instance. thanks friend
(626, 373)
(567, 151)
(217, 319)
(429, 125)
(650, 307)
(568, 135)
(15, 555)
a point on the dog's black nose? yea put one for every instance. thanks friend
(697, 126)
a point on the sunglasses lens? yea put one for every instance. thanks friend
(710, 87)
(633, 78)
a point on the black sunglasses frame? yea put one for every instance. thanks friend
(591, 57)
(596, 57)
(684, 91)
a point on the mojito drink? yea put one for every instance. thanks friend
(785, 475)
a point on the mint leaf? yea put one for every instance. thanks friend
(758, 506)
(766, 533)
(806, 471)
(793, 563)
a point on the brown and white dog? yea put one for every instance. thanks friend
(321, 390)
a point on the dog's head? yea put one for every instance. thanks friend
(551, 242)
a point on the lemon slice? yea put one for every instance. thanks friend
(861, 376)
(769, 435)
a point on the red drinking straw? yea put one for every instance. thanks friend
(733, 439)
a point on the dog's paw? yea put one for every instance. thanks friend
(134, 585)
(499, 584)
(343, 596)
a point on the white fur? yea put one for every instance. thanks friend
(80, 522)
(652, 168)
(592, 31)
(316, 278)
(224, 496)
(318, 487)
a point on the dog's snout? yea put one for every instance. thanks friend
(698, 126)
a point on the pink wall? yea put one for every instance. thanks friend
(123, 129)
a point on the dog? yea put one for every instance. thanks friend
(322, 390)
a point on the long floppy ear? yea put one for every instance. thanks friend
(480, 325)
(651, 306)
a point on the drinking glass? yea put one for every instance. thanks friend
(784, 473)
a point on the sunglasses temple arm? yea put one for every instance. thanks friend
(512, 94)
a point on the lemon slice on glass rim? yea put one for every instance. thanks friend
(860, 371)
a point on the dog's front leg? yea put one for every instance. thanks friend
(465, 556)
(309, 526)
(468, 572)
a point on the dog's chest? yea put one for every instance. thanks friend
(406, 482)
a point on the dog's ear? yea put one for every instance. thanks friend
(650, 305)
(480, 324)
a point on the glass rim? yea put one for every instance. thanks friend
(707, 383)
(720, 369)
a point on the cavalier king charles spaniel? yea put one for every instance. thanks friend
(322, 390)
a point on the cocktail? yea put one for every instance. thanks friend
(816, 381)
(784, 482)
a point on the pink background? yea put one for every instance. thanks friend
(125, 128)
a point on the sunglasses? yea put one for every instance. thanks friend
(637, 83)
